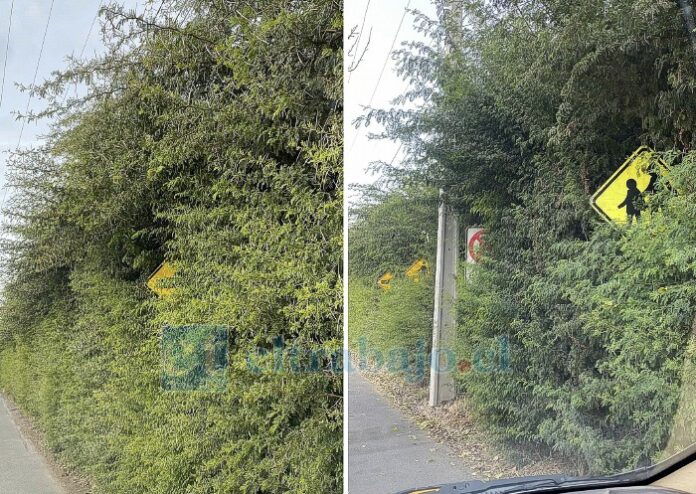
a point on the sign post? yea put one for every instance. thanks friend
(444, 322)
(444, 317)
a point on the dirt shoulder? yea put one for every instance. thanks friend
(70, 482)
(453, 425)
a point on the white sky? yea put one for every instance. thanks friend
(383, 16)
(67, 32)
(70, 24)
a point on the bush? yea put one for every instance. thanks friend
(388, 232)
(215, 144)
(524, 116)
(596, 374)
(391, 330)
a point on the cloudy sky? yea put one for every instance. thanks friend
(383, 17)
(67, 33)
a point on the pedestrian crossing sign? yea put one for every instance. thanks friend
(622, 198)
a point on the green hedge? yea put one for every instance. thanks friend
(216, 145)
(597, 343)
(387, 233)
(529, 110)
(390, 331)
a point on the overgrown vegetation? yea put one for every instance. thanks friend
(528, 107)
(389, 232)
(209, 136)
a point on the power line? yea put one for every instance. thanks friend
(84, 44)
(91, 28)
(2, 89)
(7, 51)
(36, 72)
(89, 33)
(357, 42)
(384, 66)
(398, 150)
(391, 49)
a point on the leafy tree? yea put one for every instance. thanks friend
(389, 231)
(208, 135)
(526, 108)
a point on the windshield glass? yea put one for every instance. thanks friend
(521, 238)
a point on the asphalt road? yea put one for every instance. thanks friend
(386, 452)
(22, 469)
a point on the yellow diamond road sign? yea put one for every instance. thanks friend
(163, 272)
(384, 280)
(416, 269)
(621, 199)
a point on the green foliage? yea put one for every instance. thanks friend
(387, 233)
(390, 330)
(214, 143)
(533, 105)
(390, 231)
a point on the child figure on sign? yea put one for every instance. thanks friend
(633, 201)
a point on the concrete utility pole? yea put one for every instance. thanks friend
(444, 317)
(442, 387)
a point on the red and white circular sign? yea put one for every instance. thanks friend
(474, 243)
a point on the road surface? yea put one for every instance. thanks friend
(22, 469)
(386, 452)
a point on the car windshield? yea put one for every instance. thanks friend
(522, 203)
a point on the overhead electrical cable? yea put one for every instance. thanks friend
(33, 84)
(36, 73)
(7, 52)
(384, 66)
